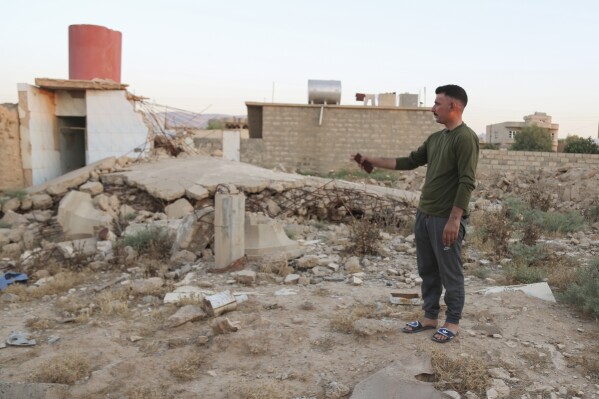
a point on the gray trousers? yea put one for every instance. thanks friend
(439, 267)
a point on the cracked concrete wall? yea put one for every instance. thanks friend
(114, 128)
(10, 149)
(40, 144)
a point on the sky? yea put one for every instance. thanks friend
(513, 57)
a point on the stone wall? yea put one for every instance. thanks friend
(501, 160)
(11, 169)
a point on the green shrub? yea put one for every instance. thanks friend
(584, 291)
(533, 255)
(18, 193)
(154, 240)
(561, 222)
(520, 272)
(522, 214)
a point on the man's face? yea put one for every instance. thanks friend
(443, 108)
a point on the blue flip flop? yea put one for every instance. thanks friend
(11, 277)
(416, 326)
(448, 334)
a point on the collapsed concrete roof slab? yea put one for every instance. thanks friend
(72, 179)
(172, 178)
(169, 179)
(63, 84)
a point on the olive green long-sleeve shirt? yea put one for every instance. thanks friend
(452, 157)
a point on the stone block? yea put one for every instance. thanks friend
(42, 201)
(78, 217)
(178, 209)
(92, 188)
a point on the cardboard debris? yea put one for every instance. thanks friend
(405, 298)
(223, 302)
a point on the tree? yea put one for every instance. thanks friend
(216, 124)
(533, 138)
(578, 145)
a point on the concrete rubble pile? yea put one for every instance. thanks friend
(87, 211)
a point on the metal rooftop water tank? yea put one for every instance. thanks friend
(324, 91)
(94, 52)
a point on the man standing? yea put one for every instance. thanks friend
(452, 156)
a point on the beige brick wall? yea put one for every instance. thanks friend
(11, 169)
(493, 160)
(292, 135)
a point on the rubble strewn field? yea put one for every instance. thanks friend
(320, 325)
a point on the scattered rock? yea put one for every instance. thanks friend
(185, 314)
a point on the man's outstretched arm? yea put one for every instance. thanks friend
(385, 163)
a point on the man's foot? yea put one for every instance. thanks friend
(446, 333)
(417, 326)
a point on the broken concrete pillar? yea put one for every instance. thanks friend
(229, 224)
(264, 236)
(231, 145)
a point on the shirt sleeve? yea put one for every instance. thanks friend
(415, 159)
(467, 149)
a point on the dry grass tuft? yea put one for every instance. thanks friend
(321, 291)
(324, 343)
(461, 375)
(258, 345)
(343, 321)
(262, 390)
(63, 369)
(147, 393)
(364, 237)
(562, 273)
(410, 313)
(492, 232)
(279, 267)
(113, 302)
(536, 359)
(40, 323)
(61, 283)
(188, 368)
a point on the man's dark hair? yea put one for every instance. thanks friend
(453, 91)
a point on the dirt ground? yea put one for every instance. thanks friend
(292, 341)
(292, 345)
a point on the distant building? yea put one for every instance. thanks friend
(503, 133)
(408, 100)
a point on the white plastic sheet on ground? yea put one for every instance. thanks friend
(536, 290)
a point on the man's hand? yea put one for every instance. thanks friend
(450, 232)
(364, 163)
(452, 227)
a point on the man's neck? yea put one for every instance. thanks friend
(453, 124)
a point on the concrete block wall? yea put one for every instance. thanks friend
(11, 169)
(252, 150)
(293, 137)
(500, 160)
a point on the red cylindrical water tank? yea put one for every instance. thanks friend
(94, 52)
